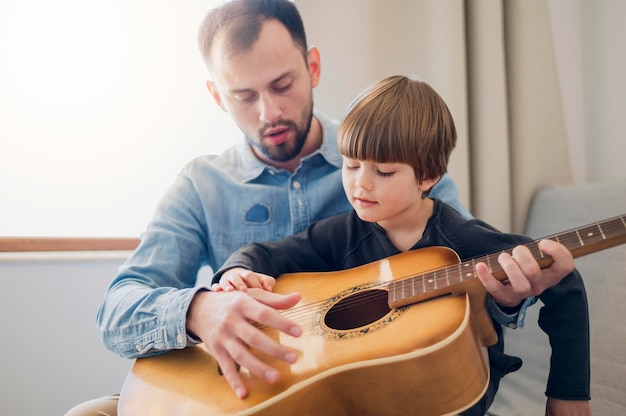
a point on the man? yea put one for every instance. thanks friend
(283, 176)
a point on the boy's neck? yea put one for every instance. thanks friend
(406, 235)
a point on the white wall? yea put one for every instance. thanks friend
(51, 356)
(101, 104)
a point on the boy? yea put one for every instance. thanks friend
(395, 140)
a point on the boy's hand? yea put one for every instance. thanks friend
(525, 277)
(241, 279)
(556, 407)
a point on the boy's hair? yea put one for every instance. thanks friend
(399, 120)
(240, 22)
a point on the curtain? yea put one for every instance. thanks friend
(491, 60)
(513, 75)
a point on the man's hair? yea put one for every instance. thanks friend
(399, 120)
(240, 22)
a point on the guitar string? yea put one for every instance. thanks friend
(364, 298)
(448, 269)
(302, 313)
(567, 237)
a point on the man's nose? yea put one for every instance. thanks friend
(269, 109)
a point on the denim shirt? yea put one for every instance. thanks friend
(216, 205)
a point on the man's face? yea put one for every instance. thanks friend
(268, 92)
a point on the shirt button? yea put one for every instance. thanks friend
(296, 185)
(512, 325)
(179, 338)
(138, 347)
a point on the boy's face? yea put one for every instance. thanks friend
(386, 193)
(268, 91)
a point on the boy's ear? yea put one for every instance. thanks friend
(427, 184)
(215, 94)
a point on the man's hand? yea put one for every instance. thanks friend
(525, 277)
(556, 407)
(223, 321)
(239, 278)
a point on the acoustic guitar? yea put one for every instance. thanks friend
(405, 335)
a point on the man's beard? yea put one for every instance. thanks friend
(284, 151)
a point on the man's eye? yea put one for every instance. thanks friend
(282, 88)
(245, 98)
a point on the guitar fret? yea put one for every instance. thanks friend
(402, 285)
(593, 236)
(428, 286)
(580, 240)
(468, 275)
(472, 273)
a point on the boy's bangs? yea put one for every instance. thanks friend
(370, 137)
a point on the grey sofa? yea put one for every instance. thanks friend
(557, 209)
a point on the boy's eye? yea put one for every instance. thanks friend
(383, 174)
(350, 163)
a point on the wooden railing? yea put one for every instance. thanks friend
(29, 244)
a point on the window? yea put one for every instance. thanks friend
(101, 104)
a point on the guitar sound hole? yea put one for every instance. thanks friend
(358, 310)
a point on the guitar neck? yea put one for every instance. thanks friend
(454, 278)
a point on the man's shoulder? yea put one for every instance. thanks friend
(229, 160)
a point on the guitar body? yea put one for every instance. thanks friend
(356, 356)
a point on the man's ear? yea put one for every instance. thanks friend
(215, 94)
(315, 65)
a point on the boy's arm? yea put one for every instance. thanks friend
(564, 318)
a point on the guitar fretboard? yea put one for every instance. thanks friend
(580, 241)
